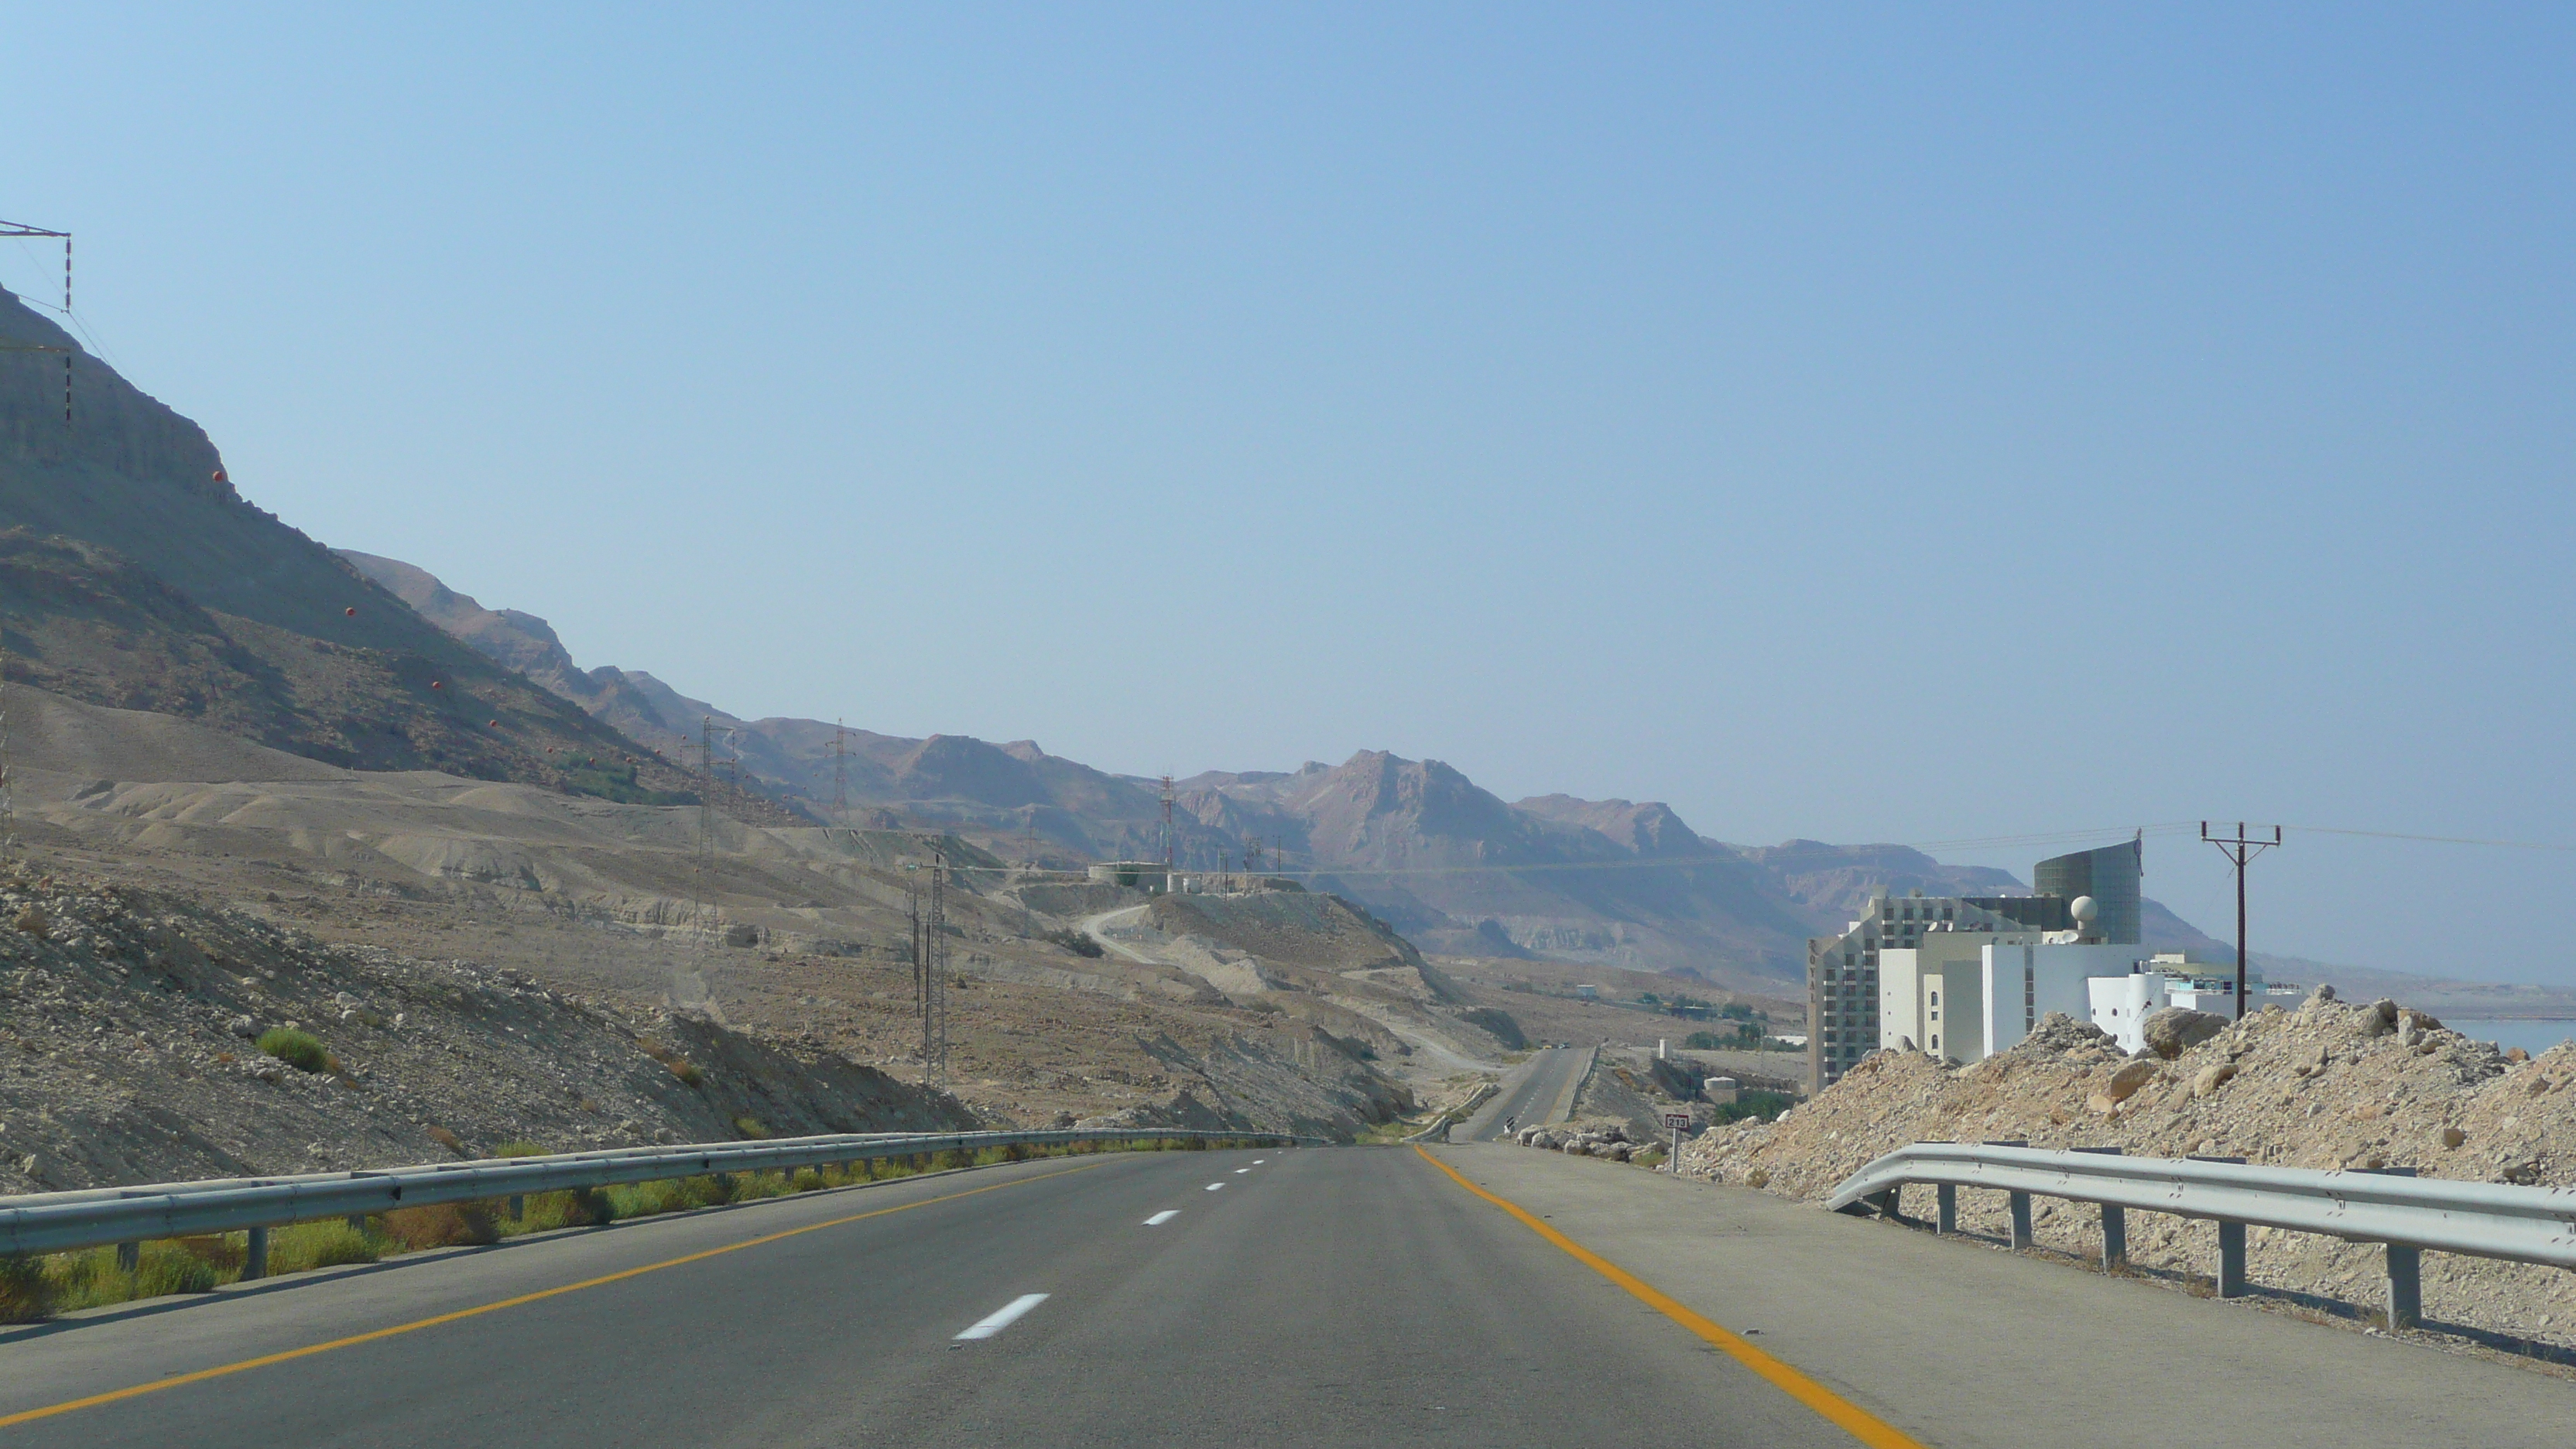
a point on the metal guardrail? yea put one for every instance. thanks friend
(1441, 1124)
(2408, 1214)
(58, 1222)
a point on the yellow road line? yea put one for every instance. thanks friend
(1861, 1424)
(201, 1375)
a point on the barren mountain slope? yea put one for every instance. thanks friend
(130, 1018)
(132, 573)
(797, 934)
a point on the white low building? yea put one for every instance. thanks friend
(2121, 1005)
(2023, 984)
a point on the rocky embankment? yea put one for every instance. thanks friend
(129, 1023)
(1608, 1139)
(2330, 1085)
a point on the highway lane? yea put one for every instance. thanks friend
(1531, 1096)
(1315, 1296)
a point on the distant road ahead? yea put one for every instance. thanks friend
(1531, 1098)
(1340, 1296)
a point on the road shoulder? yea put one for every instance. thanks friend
(1958, 1343)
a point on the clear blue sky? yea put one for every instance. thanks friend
(1917, 423)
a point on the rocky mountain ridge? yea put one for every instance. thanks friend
(1456, 868)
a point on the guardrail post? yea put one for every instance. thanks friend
(2231, 1259)
(2019, 1202)
(2405, 1286)
(255, 1262)
(518, 1207)
(2115, 1224)
(1945, 1199)
(1887, 1203)
(357, 1222)
(2405, 1269)
(129, 1257)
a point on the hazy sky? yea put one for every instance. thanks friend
(1920, 424)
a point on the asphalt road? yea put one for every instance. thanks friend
(1314, 1296)
(1530, 1097)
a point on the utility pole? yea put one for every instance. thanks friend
(705, 853)
(8, 808)
(1029, 868)
(840, 771)
(1167, 832)
(930, 964)
(2240, 849)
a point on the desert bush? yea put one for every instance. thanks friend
(579, 1207)
(750, 1127)
(1753, 1102)
(26, 1295)
(221, 1249)
(1076, 942)
(448, 1140)
(686, 1070)
(165, 1268)
(441, 1225)
(519, 1147)
(298, 1049)
(307, 1246)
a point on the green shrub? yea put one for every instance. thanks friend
(25, 1294)
(297, 1049)
(1076, 942)
(750, 1127)
(1753, 1102)
(686, 1070)
(168, 1268)
(519, 1147)
(318, 1245)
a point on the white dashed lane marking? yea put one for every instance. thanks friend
(1160, 1218)
(1213, 1186)
(1003, 1317)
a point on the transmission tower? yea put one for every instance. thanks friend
(8, 805)
(10, 229)
(1167, 831)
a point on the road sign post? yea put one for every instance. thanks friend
(1677, 1121)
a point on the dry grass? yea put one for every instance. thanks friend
(442, 1225)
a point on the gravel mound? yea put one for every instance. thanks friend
(2330, 1085)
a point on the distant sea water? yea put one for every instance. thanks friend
(2532, 1035)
